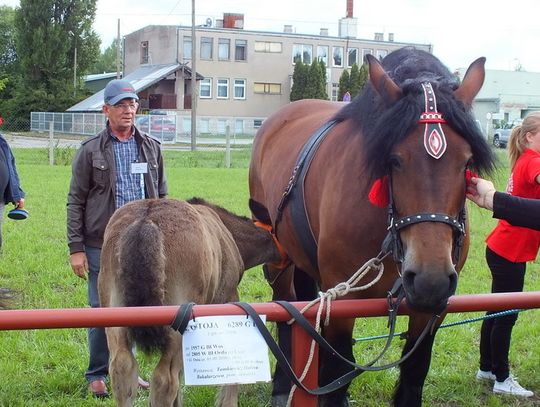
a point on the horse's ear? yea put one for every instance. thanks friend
(382, 83)
(472, 82)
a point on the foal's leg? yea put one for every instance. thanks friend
(228, 396)
(413, 371)
(165, 382)
(122, 367)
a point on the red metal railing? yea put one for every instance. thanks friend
(142, 316)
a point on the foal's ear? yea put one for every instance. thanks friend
(472, 82)
(382, 83)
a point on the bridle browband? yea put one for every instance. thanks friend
(435, 145)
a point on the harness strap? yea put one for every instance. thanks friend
(296, 195)
(285, 260)
(357, 369)
(183, 315)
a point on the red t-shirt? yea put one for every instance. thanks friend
(514, 243)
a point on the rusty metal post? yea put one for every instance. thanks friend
(301, 344)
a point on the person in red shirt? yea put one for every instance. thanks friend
(508, 250)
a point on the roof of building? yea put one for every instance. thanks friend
(507, 83)
(142, 78)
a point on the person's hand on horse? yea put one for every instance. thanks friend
(481, 192)
(79, 264)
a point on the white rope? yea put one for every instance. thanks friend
(325, 304)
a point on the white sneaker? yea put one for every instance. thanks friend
(511, 386)
(485, 375)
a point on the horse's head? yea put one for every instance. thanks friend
(426, 171)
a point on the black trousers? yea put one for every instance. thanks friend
(496, 332)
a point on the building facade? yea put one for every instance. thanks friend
(247, 75)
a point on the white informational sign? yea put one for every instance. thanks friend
(224, 350)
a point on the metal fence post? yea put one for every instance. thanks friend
(51, 140)
(227, 146)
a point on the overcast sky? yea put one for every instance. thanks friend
(507, 32)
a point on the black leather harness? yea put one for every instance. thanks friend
(294, 194)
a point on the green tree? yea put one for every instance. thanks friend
(106, 61)
(324, 81)
(354, 85)
(8, 53)
(49, 34)
(343, 84)
(300, 75)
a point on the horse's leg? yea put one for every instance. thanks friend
(122, 367)
(228, 396)
(165, 382)
(305, 289)
(339, 335)
(413, 371)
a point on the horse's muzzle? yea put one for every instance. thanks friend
(428, 291)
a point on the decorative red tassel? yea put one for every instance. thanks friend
(468, 175)
(378, 194)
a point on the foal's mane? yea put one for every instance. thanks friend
(383, 126)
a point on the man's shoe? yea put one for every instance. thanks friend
(485, 375)
(98, 388)
(143, 384)
(512, 387)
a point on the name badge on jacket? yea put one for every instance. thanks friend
(139, 168)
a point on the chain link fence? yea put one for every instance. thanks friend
(60, 134)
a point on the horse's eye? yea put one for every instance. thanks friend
(394, 163)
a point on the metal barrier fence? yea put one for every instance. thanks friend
(143, 316)
(169, 127)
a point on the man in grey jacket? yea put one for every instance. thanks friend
(118, 165)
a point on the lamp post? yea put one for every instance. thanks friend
(75, 71)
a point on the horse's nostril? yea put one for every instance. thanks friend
(408, 278)
(453, 282)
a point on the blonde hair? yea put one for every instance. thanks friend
(518, 139)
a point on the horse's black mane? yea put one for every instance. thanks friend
(383, 126)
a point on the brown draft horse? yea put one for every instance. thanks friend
(381, 133)
(171, 252)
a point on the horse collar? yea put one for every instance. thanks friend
(434, 138)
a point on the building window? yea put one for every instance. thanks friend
(239, 126)
(303, 53)
(206, 47)
(222, 126)
(204, 126)
(381, 53)
(335, 92)
(239, 88)
(205, 89)
(322, 54)
(365, 52)
(224, 49)
(222, 89)
(268, 46)
(337, 56)
(187, 47)
(257, 123)
(240, 50)
(353, 57)
(268, 88)
(144, 52)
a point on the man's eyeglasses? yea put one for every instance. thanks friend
(125, 107)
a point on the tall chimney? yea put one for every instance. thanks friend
(349, 8)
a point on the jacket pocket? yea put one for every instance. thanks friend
(100, 171)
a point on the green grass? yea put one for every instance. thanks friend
(45, 367)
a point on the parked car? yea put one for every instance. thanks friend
(501, 136)
(161, 127)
